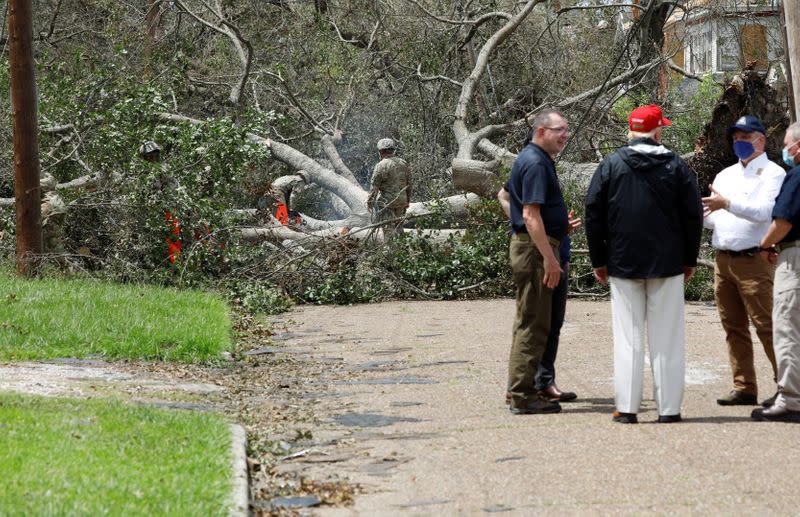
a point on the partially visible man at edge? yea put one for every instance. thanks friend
(739, 212)
(783, 244)
(539, 221)
(644, 221)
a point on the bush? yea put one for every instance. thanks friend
(475, 265)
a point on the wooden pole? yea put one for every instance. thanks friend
(24, 105)
(791, 15)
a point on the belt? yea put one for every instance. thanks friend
(524, 237)
(786, 245)
(749, 252)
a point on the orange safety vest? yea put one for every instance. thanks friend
(282, 214)
(174, 239)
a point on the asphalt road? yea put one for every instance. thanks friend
(412, 410)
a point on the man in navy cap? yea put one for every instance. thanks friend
(739, 211)
(783, 241)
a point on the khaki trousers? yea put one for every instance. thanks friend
(786, 314)
(743, 292)
(532, 321)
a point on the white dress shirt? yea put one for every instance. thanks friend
(751, 191)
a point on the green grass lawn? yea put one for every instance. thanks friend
(104, 457)
(50, 318)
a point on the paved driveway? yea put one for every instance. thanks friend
(412, 409)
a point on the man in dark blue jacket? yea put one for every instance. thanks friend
(643, 222)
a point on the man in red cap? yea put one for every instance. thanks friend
(643, 224)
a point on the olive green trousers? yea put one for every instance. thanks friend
(532, 321)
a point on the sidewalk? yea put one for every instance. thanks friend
(412, 410)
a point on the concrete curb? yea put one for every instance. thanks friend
(241, 490)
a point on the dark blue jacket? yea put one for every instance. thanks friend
(643, 214)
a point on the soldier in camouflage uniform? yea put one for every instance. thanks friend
(162, 181)
(391, 188)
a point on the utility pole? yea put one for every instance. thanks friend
(24, 106)
(791, 16)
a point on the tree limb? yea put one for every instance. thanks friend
(477, 22)
(466, 141)
(316, 124)
(354, 196)
(52, 25)
(430, 78)
(683, 71)
(328, 146)
(242, 46)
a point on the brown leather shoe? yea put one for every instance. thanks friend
(508, 397)
(738, 398)
(535, 405)
(553, 394)
(774, 414)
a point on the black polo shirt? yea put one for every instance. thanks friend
(533, 181)
(787, 204)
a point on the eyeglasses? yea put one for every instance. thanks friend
(560, 129)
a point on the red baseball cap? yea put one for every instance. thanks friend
(647, 118)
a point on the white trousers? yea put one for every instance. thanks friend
(657, 305)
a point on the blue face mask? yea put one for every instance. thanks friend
(743, 149)
(787, 159)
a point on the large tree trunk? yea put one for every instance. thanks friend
(476, 176)
(650, 37)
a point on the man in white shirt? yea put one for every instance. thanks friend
(739, 211)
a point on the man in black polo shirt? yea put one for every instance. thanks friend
(539, 222)
(783, 237)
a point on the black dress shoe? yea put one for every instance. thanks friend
(774, 414)
(669, 419)
(553, 394)
(738, 398)
(770, 401)
(535, 406)
(624, 418)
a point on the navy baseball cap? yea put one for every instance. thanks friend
(748, 123)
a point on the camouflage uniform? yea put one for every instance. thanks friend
(390, 193)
